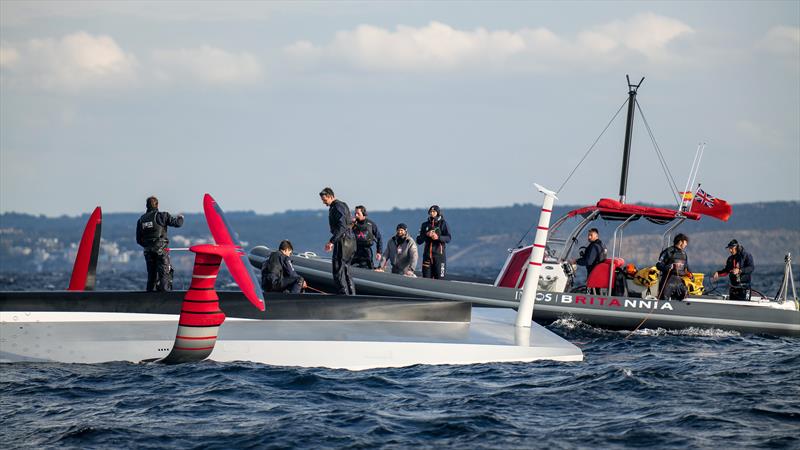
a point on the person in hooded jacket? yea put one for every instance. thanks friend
(401, 251)
(738, 268)
(151, 234)
(278, 274)
(367, 235)
(674, 265)
(342, 241)
(435, 235)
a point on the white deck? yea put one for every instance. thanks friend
(80, 337)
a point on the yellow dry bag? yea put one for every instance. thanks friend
(695, 285)
(646, 277)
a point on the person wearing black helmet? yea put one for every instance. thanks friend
(367, 234)
(738, 268)
(151, 234)
(674, 265)
(435, 235)
(342, 241)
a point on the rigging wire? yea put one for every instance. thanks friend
(576, 167)
(592, 146)
(661, 159)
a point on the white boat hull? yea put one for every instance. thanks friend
(92, 337)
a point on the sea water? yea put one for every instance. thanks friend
(654, 388)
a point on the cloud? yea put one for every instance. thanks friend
(207, 65)
(8, 56)
(648, 34)
(759, 134)
(74, 62)
(782, 40)
(440, 47)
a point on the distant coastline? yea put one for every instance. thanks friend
(481, 236)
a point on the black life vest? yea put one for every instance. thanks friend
(273, 269)
(334, 210)
(154, 235)
(676, 256)
(363, 233)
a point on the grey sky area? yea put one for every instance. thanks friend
(394, 104)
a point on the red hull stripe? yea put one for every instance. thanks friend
(202, 323)
(538, 245)
(189, 348)
(201, 295)
(201, 308)
(199, 338)
(542, 228)
(534, 263)
(547, 210)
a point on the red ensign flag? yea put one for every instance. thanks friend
(709, 205)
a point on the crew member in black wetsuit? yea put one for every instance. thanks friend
(367, 234)
(738, 268)
(674, 264)
(435, 235)
(342, 241)
(278, 274)
(151, 233)
(593, 254)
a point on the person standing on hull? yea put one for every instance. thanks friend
(673, 263)
(151, 234)
(593, 254)
(342, 241)
(278, 274)
(366, 233)
(401, 251)
(738, 268)
(435, 235)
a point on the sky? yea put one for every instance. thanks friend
(392, 104)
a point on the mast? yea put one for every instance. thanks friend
(626, 152)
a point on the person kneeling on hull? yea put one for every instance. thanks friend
(674, 265)
(278, 274)
(738, 267)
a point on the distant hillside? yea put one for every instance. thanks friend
(481, 236)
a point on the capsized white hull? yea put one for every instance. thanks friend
(90, 337)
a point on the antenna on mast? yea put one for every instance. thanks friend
(626, 152)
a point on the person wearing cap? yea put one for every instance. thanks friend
(401, 251)
(342, 241)
(674, 265)
(435, 235)
(367, 234)
(151, 234)
(738, 268)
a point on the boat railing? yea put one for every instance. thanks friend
(618, 238)
(787, 283)
(665, 238)
(570, 240)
